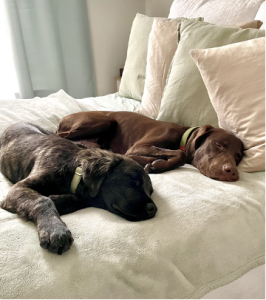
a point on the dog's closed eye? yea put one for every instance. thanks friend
(238, 158)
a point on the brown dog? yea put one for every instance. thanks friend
(155, 144)
(42, 166)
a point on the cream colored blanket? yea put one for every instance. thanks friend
(206, 233)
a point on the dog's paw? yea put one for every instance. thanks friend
(55, 238)
(149, 168)
(163, 165)
(153, 167)
(157, 166)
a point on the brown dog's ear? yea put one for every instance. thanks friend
(196, 139)
(95, 171)
(202, 134)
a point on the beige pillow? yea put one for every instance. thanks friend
(235, 79)
(256, 24)
(161, 50)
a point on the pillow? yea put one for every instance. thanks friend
(237, 92)
(261, 14)
(251, 24)
(133, 79)
(161, 49)
(185, 99)
(219, 12)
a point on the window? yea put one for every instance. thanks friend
(8, 81)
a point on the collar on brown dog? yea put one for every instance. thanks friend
(184, 138)
(76, 180)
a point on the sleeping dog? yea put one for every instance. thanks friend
(54, 176)
(157, 146)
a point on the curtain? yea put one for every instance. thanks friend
(51, 47)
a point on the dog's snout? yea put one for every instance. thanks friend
(230, 172)
(151, 209)
(229, 169)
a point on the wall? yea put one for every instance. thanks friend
(158, 8)
(110, 23)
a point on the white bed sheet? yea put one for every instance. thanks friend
(249, 286)
(112, 102)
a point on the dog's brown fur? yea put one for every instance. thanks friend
(155, 144)
(41, 165)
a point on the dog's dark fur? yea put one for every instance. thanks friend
(41, 165)
(155, 144)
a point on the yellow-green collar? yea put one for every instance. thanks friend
(76, 180)
(185, 138)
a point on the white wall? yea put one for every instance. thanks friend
(158, 8)
(110, 24)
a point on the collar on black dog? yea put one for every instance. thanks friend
(76, 180)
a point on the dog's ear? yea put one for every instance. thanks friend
(96, 170)
(202, 134)
(196, 140)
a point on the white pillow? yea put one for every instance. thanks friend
(261, 15)
(219, 12)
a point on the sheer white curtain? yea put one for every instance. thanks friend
(8, 81)
(51, 44)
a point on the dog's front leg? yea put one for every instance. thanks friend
(142, 160)
(67, 203)
(26, 202)
(161, 165)
(163, 159)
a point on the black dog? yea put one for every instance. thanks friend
(43, 166)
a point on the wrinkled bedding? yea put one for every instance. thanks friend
(205, 235)
(47, 112)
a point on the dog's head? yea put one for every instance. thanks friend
(120, 182)
(215, 152)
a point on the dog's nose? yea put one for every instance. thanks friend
(151, 209)
(230, 172)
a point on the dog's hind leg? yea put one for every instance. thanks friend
(88, 126)
(26, 202)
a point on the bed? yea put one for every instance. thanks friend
(206, 240)
(200, 239)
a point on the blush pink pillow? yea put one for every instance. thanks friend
(161, 49)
